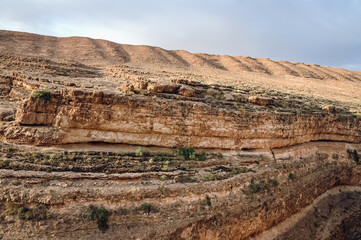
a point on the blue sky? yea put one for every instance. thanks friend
(325, 32)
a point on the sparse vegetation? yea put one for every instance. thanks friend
(291, 176)
(211, 177)
(190, 154)
(187, 153)
(255, 187)
(39, 212)
(208, 200)
(41, 95)
(100, 215)
(146, 207)
(355, 156)
(275, 182)
(273, 155)
(142, 152)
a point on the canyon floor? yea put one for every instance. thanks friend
(101, 140)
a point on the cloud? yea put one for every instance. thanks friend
(313, 31)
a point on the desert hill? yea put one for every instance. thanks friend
(102, 52)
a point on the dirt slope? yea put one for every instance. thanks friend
(102, 52)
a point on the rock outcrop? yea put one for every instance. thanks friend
(90, 116)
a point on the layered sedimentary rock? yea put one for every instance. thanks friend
(282, 144)
(89, 116)
(181, 200)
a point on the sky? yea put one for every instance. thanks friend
(325, 32)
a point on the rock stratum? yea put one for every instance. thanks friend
(276, 144)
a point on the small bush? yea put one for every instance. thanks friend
(275, 182)
(146, 207)
(100, 215)
(238, 170)
(142, 152)
(41, 95)
(211, 177)
(39, 212)
(208, 200)
(187, 153)
(255, 187)
(355, 156)
(291, 176)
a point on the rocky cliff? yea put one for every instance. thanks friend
(90, 116)
(102, 140)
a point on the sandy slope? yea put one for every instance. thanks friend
(309, 79)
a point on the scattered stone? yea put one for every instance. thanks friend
(329, 109)
(163, 88)
(127, 87)
(212, 92)
(229, 97)
(263, 101)
(140, 84)
(187, 91)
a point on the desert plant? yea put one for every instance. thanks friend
(146, 207)
(39, 212)
(208, 200)
(355, 156)
(291, 176)
(275, 182)
(211, 177)
(273, 155)
(255, 187)
(41, 95)
(100, 215)
(142, 152)
(187, 153)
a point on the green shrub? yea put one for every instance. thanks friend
(355, 156)
(211, 177)
(208, 200)
(146, 207)
(255, 187)
(41, 95)
(100, 215)
(187, 153)
(39, 212)
(275, 182)
(142, 152)
(291, 176)
(238, 170)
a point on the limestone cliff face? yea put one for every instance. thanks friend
(93, 116)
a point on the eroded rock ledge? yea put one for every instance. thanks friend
(78, 116)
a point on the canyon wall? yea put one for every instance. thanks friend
(94, 116)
